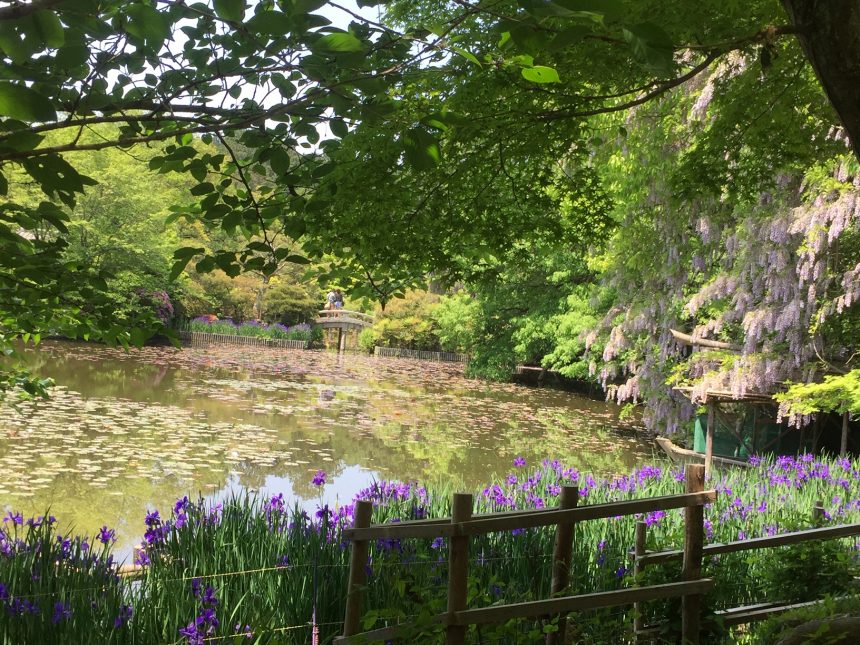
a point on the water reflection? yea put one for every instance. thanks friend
(127, 431)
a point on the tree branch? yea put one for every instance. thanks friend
(661, 89)
(19, 10)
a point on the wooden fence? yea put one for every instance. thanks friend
(462, 524)
(747, 613)
(203, 339)
(398, 352)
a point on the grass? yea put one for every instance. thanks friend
(259, 566)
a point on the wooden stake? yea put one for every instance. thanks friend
(357, 571)
(458, 568)
(694, 541)
(709, 437)
(561, 556)
(843, 446)
(638, 568)
(818, 514)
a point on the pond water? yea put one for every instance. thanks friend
(125, 432)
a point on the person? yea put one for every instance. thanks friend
(338, 299)
(331, 296)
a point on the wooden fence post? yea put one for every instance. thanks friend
(843, 444)
(561, 556)
(638, 568)
(694, 541)
(818, 514)
(458, 569)
(357, 570)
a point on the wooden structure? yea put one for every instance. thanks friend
(462, 524)
(685, 456)
(713, 398)
(399, 352)
(747, 613)
(344, 321)
(204, 339)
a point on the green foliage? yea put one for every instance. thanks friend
(835, 394)
(774, 629)
(406, 322)
(812, 569)
(291, 302)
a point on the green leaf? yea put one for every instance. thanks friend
(49, 28)
(138, 337)
(178, 268)
(147, 24)
(340, 42)
(72, 56)
(297, 259)
(652, 47)
(338, 128)
(540, 74)
(270, 23)
(21, 102)
(469, 56)
(280, 161)
(20, 141)
(232, 10)
(187, 252)
(202, 189)
(422, 149)
(568, 37)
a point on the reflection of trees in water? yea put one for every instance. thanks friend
(406, 425)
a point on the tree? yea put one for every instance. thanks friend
(447, 110)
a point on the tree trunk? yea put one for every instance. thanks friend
(829, 33)
(261, 295)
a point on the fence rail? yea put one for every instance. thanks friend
(399, 352)
(346, 313)
(748, 613)
(461, 525)
(204, 339)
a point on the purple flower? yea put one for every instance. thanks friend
(519, 462)
(106, 535)
(319, 478)
(15, 518)
(125, 613)
(243, 631)
(654, 518)
(141, 558)
(283, 562)
(62, 611)
(438, 543)
(190, 632)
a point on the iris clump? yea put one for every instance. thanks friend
(251, 566)
(257, 329)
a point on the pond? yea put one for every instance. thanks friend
(125, 432)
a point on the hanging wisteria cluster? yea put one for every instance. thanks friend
(773, 272)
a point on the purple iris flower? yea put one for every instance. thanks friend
(62, 611)
(106, 535)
